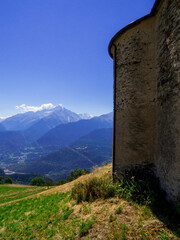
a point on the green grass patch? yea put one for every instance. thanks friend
(57, 216)
(9, 193)
(118, 210)
(111, 218)
(43, 217)
(85, 226)
(34, 218)
(66, 212)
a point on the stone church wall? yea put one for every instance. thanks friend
(168, 97)
(147, 97)
(135, 98)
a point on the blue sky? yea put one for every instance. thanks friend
(55, 51)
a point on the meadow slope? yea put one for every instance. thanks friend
(54, 214)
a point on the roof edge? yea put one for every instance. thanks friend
(155, 7)
(131, 25)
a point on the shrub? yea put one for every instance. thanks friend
(92, 189)
(128, 188)
(77, 172)
(49, 183)
(37, 181)
(135, 190)
(8, 180)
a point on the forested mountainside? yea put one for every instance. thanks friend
(92, 149)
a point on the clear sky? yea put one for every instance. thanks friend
(55, 51)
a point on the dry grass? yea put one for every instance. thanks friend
(98, 172)
(132, 222)
(17, 185)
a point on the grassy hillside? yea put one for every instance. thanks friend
(54, 214)
(14, 192)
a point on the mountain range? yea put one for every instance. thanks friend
(65, 134)
(92, 149)
(52, 117)
(54, 141)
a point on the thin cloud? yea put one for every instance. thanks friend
(25, 108)
(2, 118)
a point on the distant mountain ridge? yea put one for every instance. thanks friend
(92, 149)
(65, 134)
(21, 148)
(22, 121)
(58, 116)
(52, 117)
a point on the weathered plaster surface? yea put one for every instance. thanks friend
(147, 98)
(168, 96)
(135, 97)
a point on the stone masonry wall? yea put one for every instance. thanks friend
(135, 99)
(147, 98)
(168, 91)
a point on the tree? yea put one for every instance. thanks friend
(37, 181)
(61, 182)
(8, 180)
(49, 182)
(77, 172)
(0, 179)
